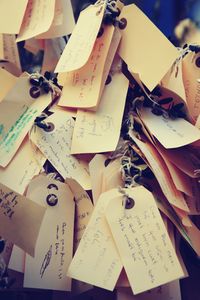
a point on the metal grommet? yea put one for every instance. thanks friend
(52, 186)
(108, 80)
(52, 199)
(197, 62)
(129, 203)
(122, 23)
(34, 92)
(50, 127)
(100, 33)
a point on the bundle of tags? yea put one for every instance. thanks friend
(100, 166)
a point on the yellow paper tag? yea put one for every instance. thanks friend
(142, 240)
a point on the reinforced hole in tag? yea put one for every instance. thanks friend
(129, 203)
(52, 199)
(197, 62)
(34, 92)
(122, 23)
(108, 80)
(52, 186)
(50, 127)
(101, 32)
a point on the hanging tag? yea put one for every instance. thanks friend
(96, 260)
(99, 131)
(20, 219)
(144, 48)
(53, 253)
(142, 240)
(37, 18)
(55, 144)
(81, 42)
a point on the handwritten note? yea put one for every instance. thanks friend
(83, 209)
(162, 174)
(11, 15)
(99, 131)
(11, 50)
(26, 168)
(83, 88)
(82, 40)
(20, 219)
(22, 111)
(37, 19)
(96, 260)
(170, 133)
(192, 86)
(63, 22)
(142, 240)
(147, 51)
(55, 146)
(54, 248)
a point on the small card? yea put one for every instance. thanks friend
(83, 209)
(144, 48)
(96, 260)
(170, 133)
(47, 270)
(99, 131)
(11, 15)
(56, 144)
(63, 22)
(142, 240)
(83, 88)
(26, 168)
(37, 19)
(22, 110)
(82, 40)
(20, 219)
(191, 84)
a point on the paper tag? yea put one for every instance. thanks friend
(82, 40)
(112, 177)
(37, 19)
(22, 111)
(17, 260)
(170, 291)
(20, 219)
(11, 15)
(142, 240)
(191, 74)
(7, 81)
(26, 168)
(83, 88)
(96, 260)
(11, 50)
(144, 48)
(63, 22)
(47, 270)
(170, 133)
(162, 174)
(55, 146)
(99, 131)
(83, 210)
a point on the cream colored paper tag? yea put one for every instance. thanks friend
(20, 219)
(83, 88)
(7, 81)
(96, 260)
(142, 240)
(82, 40)
(11, 15)
(55, 145)
(63, 22)
(28, 162)
(22, 111)
(11, 52)
(144, 48)
(47, 270)
(170, 133)
(99, 131)
(37, 19)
